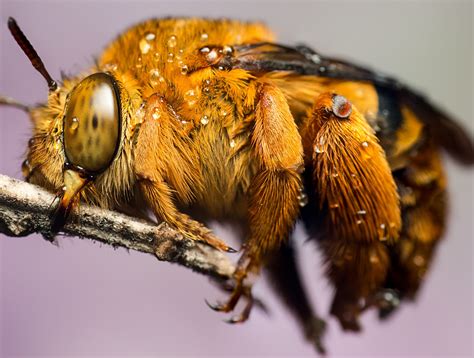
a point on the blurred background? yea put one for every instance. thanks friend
(85, 299)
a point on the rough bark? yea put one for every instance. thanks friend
(25, 208)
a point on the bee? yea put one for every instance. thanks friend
(213, 119)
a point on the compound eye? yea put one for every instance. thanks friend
(92, 123)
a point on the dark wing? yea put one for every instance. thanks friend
(268, 57)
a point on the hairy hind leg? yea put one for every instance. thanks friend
(273, 204)
(167, 173)
(357, 203)
(357, 271)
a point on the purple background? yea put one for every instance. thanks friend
(84, 299)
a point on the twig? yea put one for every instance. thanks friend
(25, 208)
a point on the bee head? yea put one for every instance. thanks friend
(77, 135)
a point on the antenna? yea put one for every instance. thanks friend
(8, 101)
(29, 51)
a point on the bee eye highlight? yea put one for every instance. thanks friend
(92, 123)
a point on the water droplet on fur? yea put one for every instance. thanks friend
(384, 236)
(140, 113)
(110, 67)
(365, 144)
(150, 36)
(204, 37)
(334, 206)
(318, 149)
(139, 63)
(172, 41)
(212, 56)
(334, 175)
(154, 76)
(232, 143)
(156, 56)
(74, 124)
(359, 222)
(190, 97)
(170, 57)
(144, 45)
(205, 120)
(362, 212)
(223, 113)
(184, 69)
(418, 260)
(156, 114)
(302, 199)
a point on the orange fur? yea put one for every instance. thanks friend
(274, 191)
(358, 200)
(353, 176)
(232, 143)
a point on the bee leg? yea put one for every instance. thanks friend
(239, 289)
(74, 182)
(286, 280)
(166, 172)
(358, 203)
(357, 271)
(422, 187)
(274, 189)
(8, 101)
(158, 195)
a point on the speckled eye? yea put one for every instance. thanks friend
(92, 123)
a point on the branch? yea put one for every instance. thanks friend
(25, 208)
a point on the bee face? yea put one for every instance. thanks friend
(92, 123)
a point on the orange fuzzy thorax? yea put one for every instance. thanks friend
(354, 180)
(172, 57)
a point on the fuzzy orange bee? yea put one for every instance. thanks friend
(184, 115)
